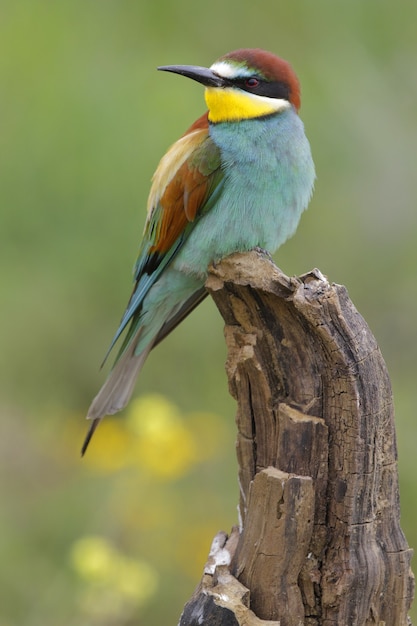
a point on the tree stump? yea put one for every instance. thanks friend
(319, 541)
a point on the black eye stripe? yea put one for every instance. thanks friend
(273, 89)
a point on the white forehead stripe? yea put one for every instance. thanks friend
(228, 70)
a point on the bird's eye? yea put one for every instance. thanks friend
(252, 82)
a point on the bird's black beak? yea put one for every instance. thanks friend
(202, 75)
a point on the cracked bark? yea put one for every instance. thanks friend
(320, 542)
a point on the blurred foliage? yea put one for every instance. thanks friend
(113, 585)
(84, 119)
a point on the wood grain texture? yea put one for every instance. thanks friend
(320, 542)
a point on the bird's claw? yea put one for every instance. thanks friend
(263, 252)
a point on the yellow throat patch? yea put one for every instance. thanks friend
(232, 105)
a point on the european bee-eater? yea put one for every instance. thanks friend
(239, 178)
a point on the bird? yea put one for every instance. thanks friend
(239, 178)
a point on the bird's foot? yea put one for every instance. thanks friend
(263, 252)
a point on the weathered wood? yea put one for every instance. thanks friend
(320, 542)
(220, 599)
(280, 513)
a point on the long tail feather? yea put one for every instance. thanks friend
(89, 435)
(116, 391)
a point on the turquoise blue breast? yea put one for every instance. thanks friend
(269, 177)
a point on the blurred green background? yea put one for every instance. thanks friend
(121, 537)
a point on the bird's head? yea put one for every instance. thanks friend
(245, 84)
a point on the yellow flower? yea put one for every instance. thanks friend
(155, 437)
(112, 581)
(164, 446)
(112, 443)
(93, 558)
